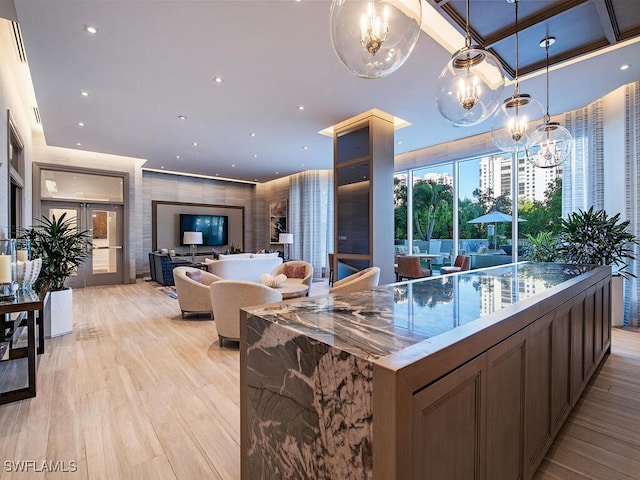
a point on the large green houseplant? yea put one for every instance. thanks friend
(592, 237)
(61, 245)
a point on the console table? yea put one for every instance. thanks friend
(15, 316)
(460, 376)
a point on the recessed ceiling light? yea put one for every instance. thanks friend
(625, 66)
(81, 124)
(399, 142)
(182, 117)
(178, 157)
(277, 173)
(233, 165)
(78, 144)
(195, 144)
(305, 148)
(91, 29)
(255, 179)
(217, 174)
(162, 167)
(255, 155)
(84, 93)
(302, 164)
(218, 79)
(252, 134)
(300, 107)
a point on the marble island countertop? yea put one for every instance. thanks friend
(389, 319)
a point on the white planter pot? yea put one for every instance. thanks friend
(58, 313)
(617, 301)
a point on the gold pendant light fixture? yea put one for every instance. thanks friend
(554, 145)
(470, 86)
(514, 126)
(373, 38)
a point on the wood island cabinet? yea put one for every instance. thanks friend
(466, 376)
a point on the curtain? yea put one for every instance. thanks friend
(632, 191)
(311, 210)
(583, 173)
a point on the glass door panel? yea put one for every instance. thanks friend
(104, 224)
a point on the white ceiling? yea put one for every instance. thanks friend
(153, 60)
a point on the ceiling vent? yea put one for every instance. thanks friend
(17, 40)
(36, 113)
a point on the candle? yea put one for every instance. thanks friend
(22, 255)
(5, 268)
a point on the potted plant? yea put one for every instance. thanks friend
(63, 248)
(592, 237)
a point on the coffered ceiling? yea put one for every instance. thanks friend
(583, 26)
(153, 61)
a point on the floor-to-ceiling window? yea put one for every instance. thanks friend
(484, 189)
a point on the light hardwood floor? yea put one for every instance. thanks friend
(136, 392)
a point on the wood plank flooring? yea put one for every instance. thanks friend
(136, 392)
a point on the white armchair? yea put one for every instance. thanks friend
(362, 280)
(229, 296)
(293, 268)
(193, 296)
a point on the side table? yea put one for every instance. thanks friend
(25, 303)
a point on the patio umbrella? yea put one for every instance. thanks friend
(494, 217)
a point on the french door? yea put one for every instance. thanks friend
(104, 225)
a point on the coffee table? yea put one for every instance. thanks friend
(292, 290)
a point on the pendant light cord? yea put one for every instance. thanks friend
(517, 85)
(546, 45)
(468, 38)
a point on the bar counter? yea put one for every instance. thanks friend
(421, 379)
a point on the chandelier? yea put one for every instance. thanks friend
(470, 85)
(514, 126)
(373, 38)
(554, 145)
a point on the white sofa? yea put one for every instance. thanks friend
(244, 266)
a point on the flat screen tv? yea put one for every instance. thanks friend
(214, 228)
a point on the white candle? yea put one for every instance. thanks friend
(22, 255)
(5, 268)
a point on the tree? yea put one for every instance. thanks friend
(430, 202)
(400, 207)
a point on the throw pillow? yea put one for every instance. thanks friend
(294, 271)
(196, 276)
(271, 281)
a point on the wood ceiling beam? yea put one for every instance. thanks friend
(532, 20)
(607, 20)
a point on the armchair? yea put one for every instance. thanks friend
(296, 266)
(193, 296)
(164, 266)
(363, 280)
(229, 296)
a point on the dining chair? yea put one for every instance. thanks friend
(409, 267)
(331, 257)
(461, 264)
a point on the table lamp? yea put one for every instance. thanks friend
(192, 239)
(286, 239)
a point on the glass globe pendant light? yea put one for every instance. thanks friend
(554, 145)
(470, 86)
(373, 38)
(514, 126)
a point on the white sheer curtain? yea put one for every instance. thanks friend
(583, 173)
(311, 222)
(632, 194)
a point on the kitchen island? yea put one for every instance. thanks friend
(468, 375)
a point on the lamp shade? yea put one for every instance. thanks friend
(192, 238)
(286, 238)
